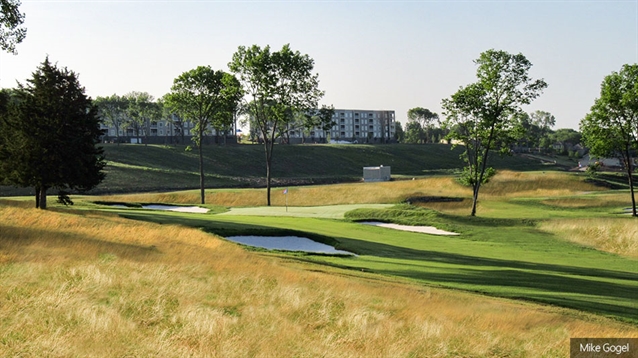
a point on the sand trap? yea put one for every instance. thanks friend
(181, 209)
(287, 243)
(422, 229)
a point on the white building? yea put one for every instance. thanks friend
(353, 125)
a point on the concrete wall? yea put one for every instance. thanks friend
(380, 173)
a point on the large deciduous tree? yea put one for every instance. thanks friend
(611, 128)
(50, 132)
(11, 31)
(425, 118)
(207, 98)
(279, 84)
(481, 115)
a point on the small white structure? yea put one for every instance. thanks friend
(379, 173)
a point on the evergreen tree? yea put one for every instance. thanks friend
(49, 133)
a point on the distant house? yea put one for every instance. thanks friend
(586, 160)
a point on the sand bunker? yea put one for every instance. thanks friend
(422, 229)
(181, 209)
(287, 243)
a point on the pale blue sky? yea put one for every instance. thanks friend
(369, 54)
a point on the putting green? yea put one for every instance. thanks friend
(329, 211)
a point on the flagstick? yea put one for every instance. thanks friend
(286, 195)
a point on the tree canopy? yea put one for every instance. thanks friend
(11, 30)
(49, 133)
(278, 84)
(611, 127)
(425, 120)
(481, 115)
(207, 98)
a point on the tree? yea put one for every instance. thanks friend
(50, 132)
(11, 32)
(413, 132)
(566, 135)
(398, 132)
(481, 115)
(425, 118)
(207, 98)
(279, 84)
(113, 111)
(611, 128)
(140, 111)
(543, 122)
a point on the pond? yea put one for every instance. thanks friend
(287, 243)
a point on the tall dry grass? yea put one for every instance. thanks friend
(505, 184)
(536, 184)
(615, 235)
(95, 285)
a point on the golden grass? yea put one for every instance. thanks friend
(518, 184)
(597, 201)
(505, 184)
(96, 285)
(615, 235)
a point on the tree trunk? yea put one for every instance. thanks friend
(201, 169)
(474, 199)
(631, 182)
(268, 146)
(43, 198)
(37, 197)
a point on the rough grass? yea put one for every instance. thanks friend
(96, 285)
(505, 184)
(615, 235)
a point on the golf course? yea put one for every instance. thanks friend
(551, 255)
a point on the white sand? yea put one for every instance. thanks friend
(181, 209)
(287, 243)
(422, 229)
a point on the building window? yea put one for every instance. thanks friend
(342, 120)
(343, 126)
(342, 114)
(161, 131)
(161, 124)
(356, 134)
(112, 131)
(343, 134)
(356, 120)
(371, 127)
(356, 127)
(370, 115)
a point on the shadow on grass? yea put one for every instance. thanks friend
(19, 239)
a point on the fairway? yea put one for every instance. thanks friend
(508, 257)
(327, 211)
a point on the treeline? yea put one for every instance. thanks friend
(532, 133)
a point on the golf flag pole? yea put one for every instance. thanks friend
(286, 196)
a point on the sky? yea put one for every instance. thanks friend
(377, 55)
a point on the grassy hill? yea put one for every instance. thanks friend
(135, 168)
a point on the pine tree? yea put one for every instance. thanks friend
(49, 135)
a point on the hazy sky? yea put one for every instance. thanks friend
(391, 55)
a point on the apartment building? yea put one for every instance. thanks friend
(353, 125)
(162, 132)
